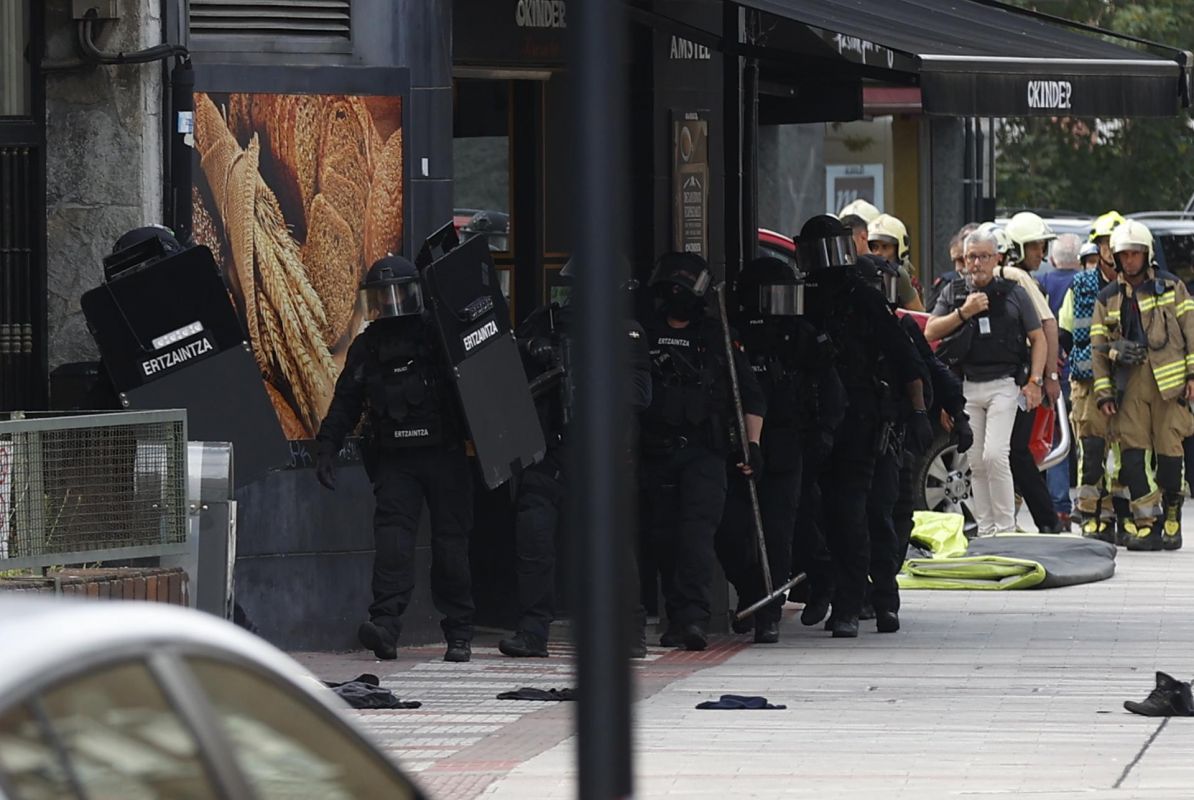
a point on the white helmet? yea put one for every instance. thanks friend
(886, 228)
(859, 208)
(1002, 243)
(1027, 227)
(1132, 235)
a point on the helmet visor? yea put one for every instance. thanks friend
(390, 300)
(782, 299)
(1127, 247)
(697, 283)
(836, 251)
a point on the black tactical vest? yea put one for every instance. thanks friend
(689, 382)
(404, 386)
(985, 353)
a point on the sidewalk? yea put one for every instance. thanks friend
(981, 694)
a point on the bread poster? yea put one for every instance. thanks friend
(297, 195)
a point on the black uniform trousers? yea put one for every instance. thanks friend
(889, 512)
(683, 497)
(845, 484)
(1030, 481)
(540, 496)
(737, 543)
(810, 553)
(402, 480)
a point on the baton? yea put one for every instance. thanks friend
(756, 516)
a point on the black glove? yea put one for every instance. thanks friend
(963, 432)
(1128, 353)
(919, 432)
(756, 461)
(325, 466)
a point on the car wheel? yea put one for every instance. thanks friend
(943, 481)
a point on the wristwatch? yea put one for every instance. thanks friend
(1037, 380)
(1053, 376)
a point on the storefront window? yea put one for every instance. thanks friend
(14, 69)
(481, 159)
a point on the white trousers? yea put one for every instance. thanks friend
(991, 406)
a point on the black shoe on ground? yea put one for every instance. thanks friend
(867, 611)
(845, 628)
(1142, 537)
(829, 622)
(814, 611)
(459, 650)
(887, 621)
(766, 632)
(1170, 698)
(523, 644)
(376, 638)
(672, 637)
(744, 625)
(694, 637)
(638, 648)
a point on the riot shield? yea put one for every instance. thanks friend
(169, 337)
(473, 322)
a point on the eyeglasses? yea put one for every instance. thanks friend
(979, 258)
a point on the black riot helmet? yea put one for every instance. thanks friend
(825, 242)
(679, 283)
(881, 274)
(164, 236)
(769, 287)
(391, 289)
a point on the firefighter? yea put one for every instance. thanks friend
(887, 237)
(1142, 339)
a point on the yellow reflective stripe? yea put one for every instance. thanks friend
(1098, 330)
(1102, 384)
(1184, 306)
(1165, 369)
(1149, 303)
(1190, 362)
(1165, 386)
(1112, 316)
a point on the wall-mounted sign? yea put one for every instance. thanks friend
(690, 183)
(845, 183)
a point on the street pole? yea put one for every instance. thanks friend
(600, 506)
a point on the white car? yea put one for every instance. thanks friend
(108, 700)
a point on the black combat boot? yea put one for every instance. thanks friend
(1171, 529)
(844, 627)
(887, 621)
(382, 642)
(1123, 513)
(694, 637)
(638, 646)
(767, 632)
(524, 644)
(815, 610)
(744, 625)
(1170, 698)
(459, 650)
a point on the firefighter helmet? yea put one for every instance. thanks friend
(1132, 235)
(886, 228)
(859, 208)
(1104, 224)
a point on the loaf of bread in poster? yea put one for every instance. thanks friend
(383, 210)
(332, 254)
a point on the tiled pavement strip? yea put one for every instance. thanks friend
(982, 693)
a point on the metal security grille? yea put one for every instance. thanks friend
(324, 19)
(89, 483)
(20, 370)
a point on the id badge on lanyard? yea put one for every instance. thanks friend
(984, 326)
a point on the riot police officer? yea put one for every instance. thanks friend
(545, 339)
(856, 319)
(804, 407)
(685, 440)
(414, 453)
(905, 435)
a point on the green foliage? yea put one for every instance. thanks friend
(1091, 166)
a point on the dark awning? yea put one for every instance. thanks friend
(979, 58)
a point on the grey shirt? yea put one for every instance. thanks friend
(1019, 305)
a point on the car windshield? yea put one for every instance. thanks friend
(1177, 251)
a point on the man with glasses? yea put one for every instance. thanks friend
(987, 322)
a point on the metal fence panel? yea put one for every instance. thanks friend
(75, 484)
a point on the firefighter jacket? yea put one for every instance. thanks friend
(1157, 313)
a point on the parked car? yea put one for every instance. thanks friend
(107, 699)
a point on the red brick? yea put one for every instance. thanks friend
(175, 596)
(151, 588)
(93, 590)
(138, 587)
